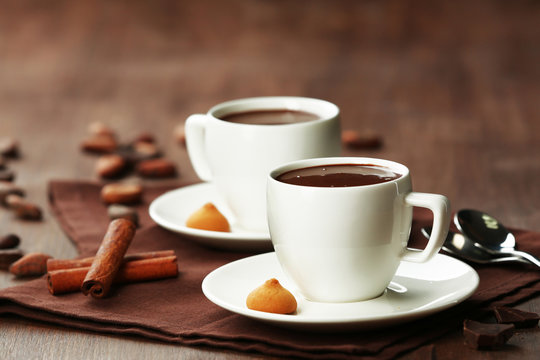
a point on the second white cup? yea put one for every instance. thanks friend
(237, 143)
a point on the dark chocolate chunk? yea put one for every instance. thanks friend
(520, 319)
(486, 336)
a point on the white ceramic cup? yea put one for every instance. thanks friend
(237, 157)
(344, 244)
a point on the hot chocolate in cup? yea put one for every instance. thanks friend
(237, 143)
(340, 226)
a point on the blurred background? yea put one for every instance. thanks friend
(439, 81)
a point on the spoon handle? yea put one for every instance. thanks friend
(530, 258)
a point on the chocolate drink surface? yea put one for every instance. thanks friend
(338, 175)
(270, 117)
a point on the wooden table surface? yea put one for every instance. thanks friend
(452, 87)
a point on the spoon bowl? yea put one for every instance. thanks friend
(489, 234)
(464, 248)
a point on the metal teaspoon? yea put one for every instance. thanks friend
(490, 234)
(459, 246)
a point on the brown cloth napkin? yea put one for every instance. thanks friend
(176, 311)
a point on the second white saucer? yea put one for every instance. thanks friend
(172, 209)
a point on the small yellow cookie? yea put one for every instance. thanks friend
(208, 217)
(271, 297)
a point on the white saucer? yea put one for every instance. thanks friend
(417, 290)
(172, 209)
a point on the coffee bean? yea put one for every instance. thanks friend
(98, 128)
(121, 193)
(100, 144)
(109, 166)
(8, 188)
(9, 256)
(117, 211)
(7, 175)
(146, 150)
(355, 140)
(23, 209)
(156, 168)
(9, 147)
(9, 241)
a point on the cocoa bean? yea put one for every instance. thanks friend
(117, 211)
(9, 147)
(9, 241)
(109, 166)
(121, 193)
(23, 209)
(33, 264)
(355, 140)
(7, 175)
(8, 188)
(146, 150)
(9, 256)
(156, 168)
(98, 128)
(99, 144)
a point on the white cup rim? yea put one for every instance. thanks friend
(323, 108)
(389, 164)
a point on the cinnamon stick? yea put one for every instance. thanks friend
(59, 264)
(70, 280)
(108, 258)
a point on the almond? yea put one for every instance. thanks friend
(33, 264)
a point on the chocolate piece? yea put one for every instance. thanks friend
(9, 241)
(486, 336)
(520, 319)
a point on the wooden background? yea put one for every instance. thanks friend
(453, 88)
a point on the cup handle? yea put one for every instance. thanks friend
(195, 143)
(440, 207)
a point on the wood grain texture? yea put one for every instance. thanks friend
(453, 87)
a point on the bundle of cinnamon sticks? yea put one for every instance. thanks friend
(95, 275)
